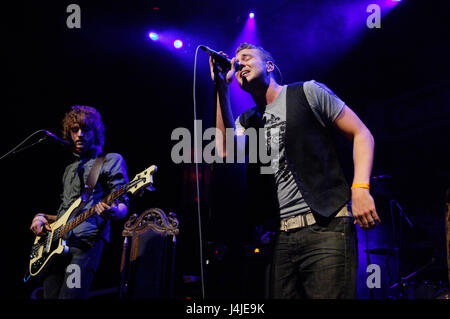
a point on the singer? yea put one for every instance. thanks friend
(306, 202)
(83, 128)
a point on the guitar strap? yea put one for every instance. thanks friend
(88, 187)
(93, 177)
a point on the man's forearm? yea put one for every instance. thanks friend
(224, 118)
(49, 218)
(363, 150)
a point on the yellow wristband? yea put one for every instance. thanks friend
(360, 185)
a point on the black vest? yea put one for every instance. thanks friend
(311, 156)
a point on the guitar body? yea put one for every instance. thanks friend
(53, 243)
(49, 245)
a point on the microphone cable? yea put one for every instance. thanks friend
(202, 270)
(281, 75)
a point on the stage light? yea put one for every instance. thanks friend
(178, 44)
(256, 251)
(154, 36)
(391, 3)
(249, 33)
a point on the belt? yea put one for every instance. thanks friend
(307, 219)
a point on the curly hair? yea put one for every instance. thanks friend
(87, 117)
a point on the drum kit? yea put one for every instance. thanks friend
(407, 287)
(416, 284)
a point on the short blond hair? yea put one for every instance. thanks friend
(265, 55)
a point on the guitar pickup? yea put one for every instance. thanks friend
(48, 243)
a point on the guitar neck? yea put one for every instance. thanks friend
(91, 211)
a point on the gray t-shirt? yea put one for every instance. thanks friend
(326, 107)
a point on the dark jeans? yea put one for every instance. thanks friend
(66, 281)
(317, 261)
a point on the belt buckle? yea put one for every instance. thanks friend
(285, 224)
(302, 221)
(297, 220)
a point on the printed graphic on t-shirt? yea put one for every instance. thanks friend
(275, 131)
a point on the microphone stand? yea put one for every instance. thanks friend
(17, 151)
(368, 260)
(398, 233)
(202, 243)
(214, 123)
(212, 169)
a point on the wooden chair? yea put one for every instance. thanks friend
(148, 255)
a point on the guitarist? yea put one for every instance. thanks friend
(83, 127)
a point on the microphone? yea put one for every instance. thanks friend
(57, 139)
(222, 60)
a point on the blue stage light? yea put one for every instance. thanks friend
(154, 36)
(178, 44)
(251, 15)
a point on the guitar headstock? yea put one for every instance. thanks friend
(142, 180)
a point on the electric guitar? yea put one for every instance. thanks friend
(53, 242)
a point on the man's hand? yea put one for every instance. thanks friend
(363, 209)
(39, 225)
(106, 211)
(226, 77)
(115, 211)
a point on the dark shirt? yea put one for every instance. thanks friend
(113, 175)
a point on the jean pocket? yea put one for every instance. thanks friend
(337, 225)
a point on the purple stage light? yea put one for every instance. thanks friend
(390, 3)
(154, 36)
(241, 100)
(178, 44)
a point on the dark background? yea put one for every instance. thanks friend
(395, 78)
